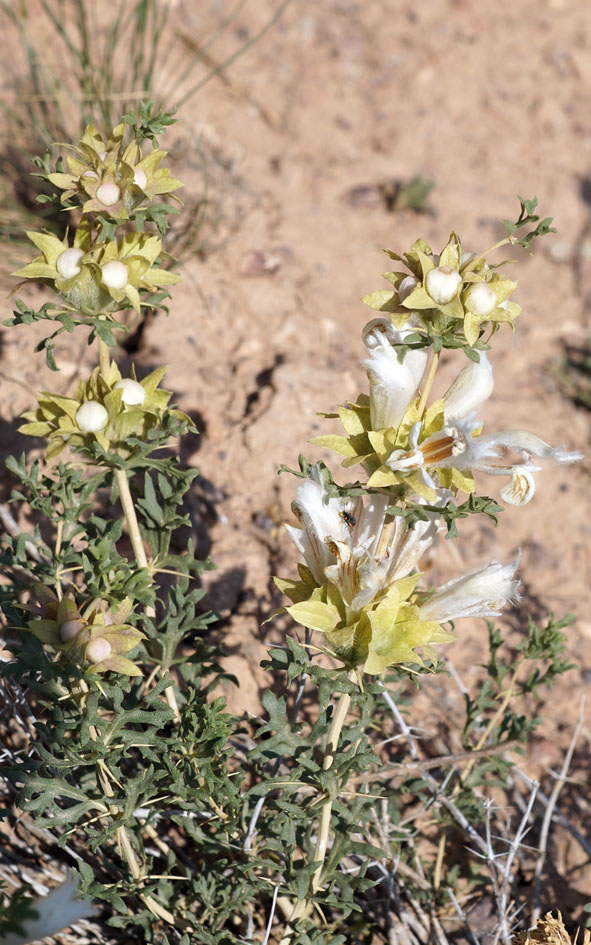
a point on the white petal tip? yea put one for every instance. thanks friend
(560, 456)
(521, 488)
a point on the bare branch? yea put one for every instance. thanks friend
(544, 832)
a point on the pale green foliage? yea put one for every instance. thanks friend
(185, 820)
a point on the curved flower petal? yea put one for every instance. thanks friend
(521, 488)
(528, 444)
(480, 593)
(321, 518)
(392, 384)
(473, 385)
(55, 912)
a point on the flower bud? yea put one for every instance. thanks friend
(91, 417)
(108, 193)
(68, 264)
(133, 394)
(140, 178)
(442, 284)
(91, 174)
(114, 274)
(480, 299)
(102, 155)
(98, 650)
(406, 287)
(70, 629)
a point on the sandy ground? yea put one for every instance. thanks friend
(337, 100)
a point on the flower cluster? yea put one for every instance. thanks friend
(360, 584)
(107, 180)
(109, 409)
(97, 272)
(86, 635)
(111, 422)
(440, 447)
(96, 277)
(452, 291)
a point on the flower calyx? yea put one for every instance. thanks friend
(88, 635)
(106, 410)
(99, 277)
(108, 181)
(453, 293)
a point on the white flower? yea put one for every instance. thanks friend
(356, 546)
(480, 299)
(406, 287)
(392, 384)
(521, 488)
(455, 446)
(98, 650)
(108, 194)
(68, 263)
(473, 385)
(319, 520)
(91, 417)
(442, 284)
(480, 593)
(114, 274)
(139, 178)
(133, 394)
(55, 912)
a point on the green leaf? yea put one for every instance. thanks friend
(315, 614)
(382, 300)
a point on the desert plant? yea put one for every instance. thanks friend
(182, 821)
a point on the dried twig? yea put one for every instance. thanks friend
(271, 915)
(502, 892)
(438, 762)
(544, 832)
(462, 915)
(557, 817)
(14, 529)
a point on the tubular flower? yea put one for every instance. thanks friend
(456, 450)
(356, 584)
(480, 593)
(51, 914)
(378, 424)
(393, 384)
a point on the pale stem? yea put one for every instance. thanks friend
(131, 519)
(332, 743)
(58, 546)
(104, 359)
(125, 845)
(140, 556)
(474, 262)
(429, 382)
